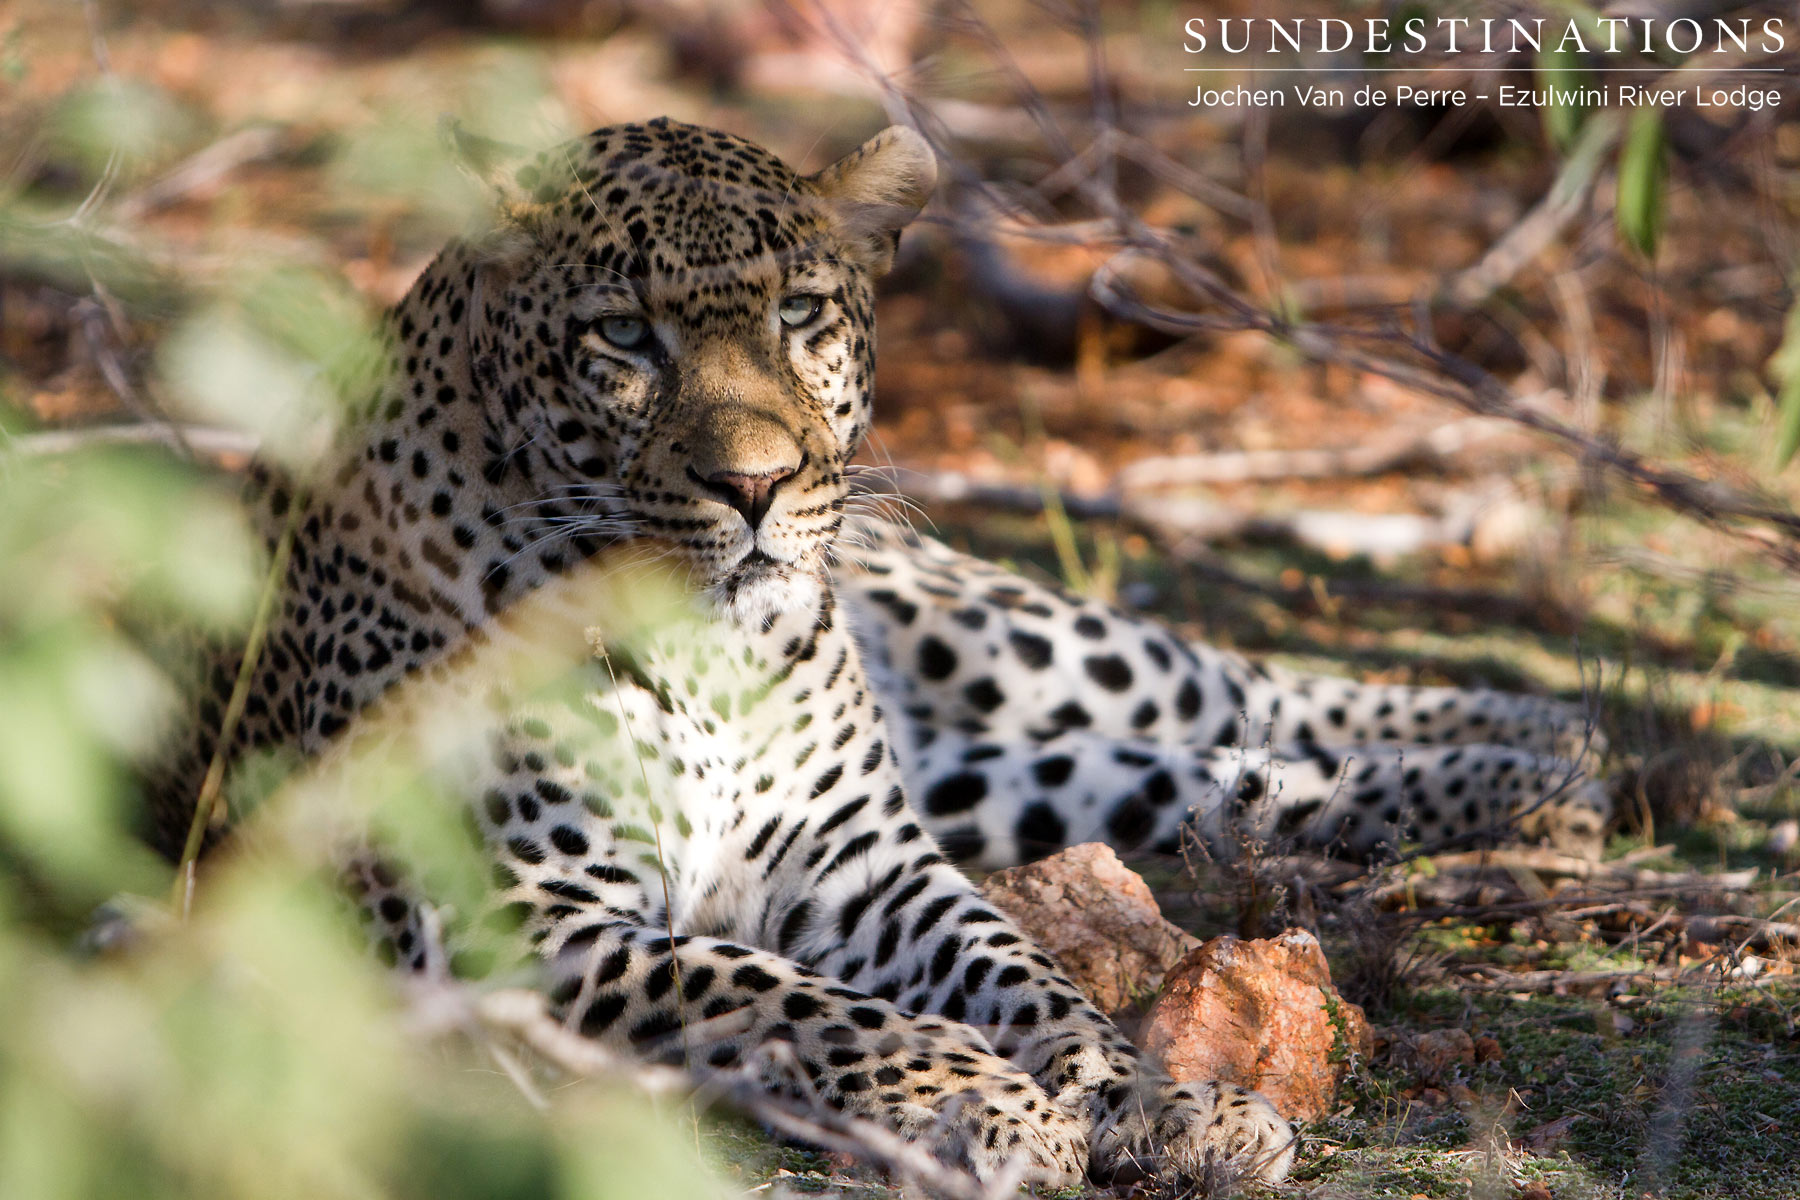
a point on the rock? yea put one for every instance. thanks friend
(1263, 1014)
(1546, 1138)
(1436, 1056)
(1438, 1053)
(1097, 918)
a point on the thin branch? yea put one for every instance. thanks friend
(208, 804)
(200, 439)
(524, 1015)
(201, 169)
(1450, 377)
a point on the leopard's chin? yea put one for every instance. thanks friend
(759, 590)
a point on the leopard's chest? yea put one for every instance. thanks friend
(700, 785)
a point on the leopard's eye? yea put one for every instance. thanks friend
(799, 310)
(627, 333)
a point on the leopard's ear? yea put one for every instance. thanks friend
(876, 189)
(488, 163)
(506, 229)
(499, 243)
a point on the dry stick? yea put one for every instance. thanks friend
(662, 864)
(523, 1015)
(1475, 390)
(1542, 224)
(1392, 453)
(211, 788)
(201, 169)
(1619, 877)
(1485, 977)
(1699, 886)
(1468, 386)
(202, 439)
(1175, 523)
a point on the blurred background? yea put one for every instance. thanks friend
(1420, 393)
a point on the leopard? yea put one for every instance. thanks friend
(725, 808)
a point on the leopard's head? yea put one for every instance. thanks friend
(674, 340)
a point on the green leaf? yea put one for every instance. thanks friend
(1786, 367)
(1560, 73)
(1639, 207)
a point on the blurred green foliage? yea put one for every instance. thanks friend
(1643, 168)
(1786, 368)
(257, 1049)
(115, 121)
(1562, 74)
(257, 1052)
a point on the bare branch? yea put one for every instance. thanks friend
(524, 1015)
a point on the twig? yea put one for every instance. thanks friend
(1468, 870)
(202, 439)
(1761, 930)
(201, 169)
(1187, 519)
(1243, 466)
(1491, 978)
(207, 802)
(1543, 223)
(524, 1015)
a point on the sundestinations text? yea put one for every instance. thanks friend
(1483, 35)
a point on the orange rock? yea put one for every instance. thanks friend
(1097, 918)
(1263, 1014)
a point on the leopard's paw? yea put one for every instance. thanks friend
(1194, 1131)
(1004, 1126)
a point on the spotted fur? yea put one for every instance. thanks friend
(613, 436)
(1034, 719)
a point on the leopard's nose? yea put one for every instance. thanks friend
(751, 495)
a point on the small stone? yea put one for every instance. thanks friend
(1487, 1049)
(1097, 918)
(1438, 1053)
(1262, 1014)
(1546, 1138)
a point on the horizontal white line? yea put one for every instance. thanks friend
(1492, 70)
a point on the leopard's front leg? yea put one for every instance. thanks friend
(928, 941)
(707, 1001)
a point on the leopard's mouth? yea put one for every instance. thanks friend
(755, 569)
(759, 588)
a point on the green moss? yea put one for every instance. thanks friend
(1700, 1099)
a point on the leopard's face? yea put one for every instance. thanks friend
(679, 350)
